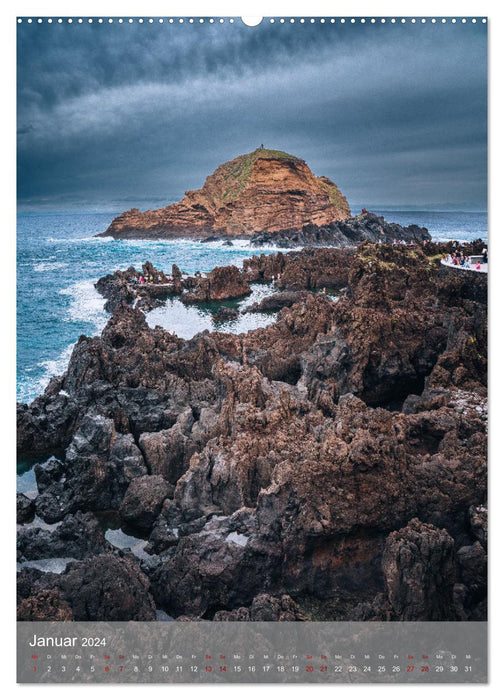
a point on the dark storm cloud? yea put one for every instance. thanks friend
(121, 115)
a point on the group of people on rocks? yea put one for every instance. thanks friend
(145, 279)
(403, 242)
(156, 279)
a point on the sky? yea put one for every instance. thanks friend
(114, 116)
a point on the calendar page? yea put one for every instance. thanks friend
(252, 264)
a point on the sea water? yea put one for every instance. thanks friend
(442, 225)
(59, 260)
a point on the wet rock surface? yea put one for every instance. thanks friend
(142, 287)
(478, 517)
(419, 571)
(143, 500)
(99, 465)
(104, 587)
(472, 563)
(265, 608)
(346, 232)
(225, 313)
(107, 587)
(335, 458)
(222, 283)
(25, 508)
(275, 302)
(311, 268)
(77, 536)
(45, 606)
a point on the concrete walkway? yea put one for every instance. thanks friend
(471, 268)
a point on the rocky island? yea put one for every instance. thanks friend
(265, 190)
(269, 197)
(329, 466)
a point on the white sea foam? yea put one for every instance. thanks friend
(53, 368)
(68, 241)
(48, 266)
(270, 247)
(27, 390)
(238, 244)
(146, 242)
(242, 244)
(30, 389)
(86, 304)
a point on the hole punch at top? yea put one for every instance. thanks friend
(252, 21)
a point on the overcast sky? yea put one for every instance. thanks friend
(115, 116)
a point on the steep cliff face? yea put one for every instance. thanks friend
(261, 191)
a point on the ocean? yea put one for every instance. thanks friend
(59, 260)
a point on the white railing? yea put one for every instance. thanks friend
(464, 268)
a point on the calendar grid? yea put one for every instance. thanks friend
(245, 652)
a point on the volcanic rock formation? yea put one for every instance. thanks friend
(346, 232)
(265, 190)
(331, 465)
